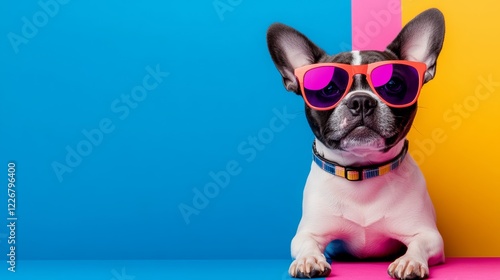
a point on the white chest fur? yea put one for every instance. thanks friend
(367, 214)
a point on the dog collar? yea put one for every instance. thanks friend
(358, 173)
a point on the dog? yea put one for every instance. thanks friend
(364, 193)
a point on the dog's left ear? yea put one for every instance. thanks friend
(421, 40)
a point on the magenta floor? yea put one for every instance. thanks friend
(454, 269)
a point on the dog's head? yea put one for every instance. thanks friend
(369, 112)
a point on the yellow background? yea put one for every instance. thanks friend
(458, 151)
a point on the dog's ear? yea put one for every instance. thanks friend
(289, 50)
(421, 40)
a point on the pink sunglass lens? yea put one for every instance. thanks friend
(397, 84)
(381, 75)
(324, 86)
(318, 78)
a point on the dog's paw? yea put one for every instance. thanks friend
(408, 268)
(310, 267)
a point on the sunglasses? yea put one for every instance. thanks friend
(396, 82)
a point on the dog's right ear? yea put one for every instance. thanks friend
(289, 50)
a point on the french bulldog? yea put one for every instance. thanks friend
(364, 193)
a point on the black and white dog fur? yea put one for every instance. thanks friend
(378, 216)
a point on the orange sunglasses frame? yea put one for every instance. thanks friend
(365, 69)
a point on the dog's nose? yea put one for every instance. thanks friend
(361, 103)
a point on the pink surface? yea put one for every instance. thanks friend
(453, 269)
(375, 23)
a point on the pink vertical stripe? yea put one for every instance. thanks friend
(375, 23)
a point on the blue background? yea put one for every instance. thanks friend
(122, 200)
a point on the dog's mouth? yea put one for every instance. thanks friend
(362, 138)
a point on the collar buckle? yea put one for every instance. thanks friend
(353, 174)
